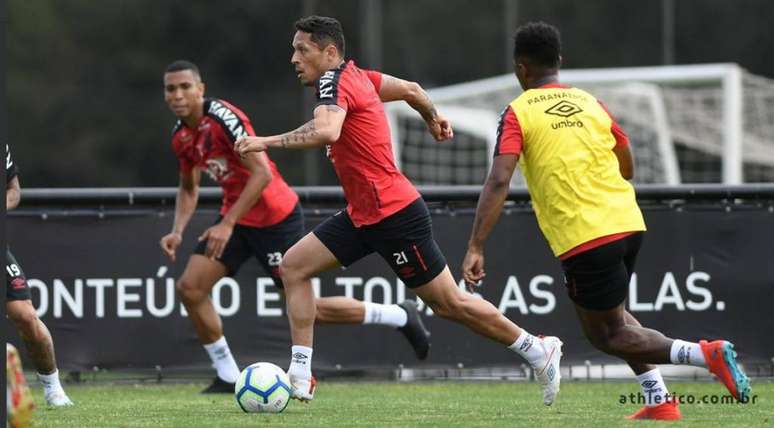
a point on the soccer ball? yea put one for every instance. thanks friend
(263, 388)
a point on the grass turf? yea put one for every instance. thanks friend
(392, 404)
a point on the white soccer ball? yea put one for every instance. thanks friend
(263, 388)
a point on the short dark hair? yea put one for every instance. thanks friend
(538, 42)
(181, 65)
(324, 30)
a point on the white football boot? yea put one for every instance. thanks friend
(57, 398)
(547, 370)
(303, 388)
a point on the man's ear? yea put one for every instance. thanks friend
(331, 51)
(521, 69)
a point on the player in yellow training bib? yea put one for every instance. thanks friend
(576, 161)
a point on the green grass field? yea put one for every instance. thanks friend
(392, 404)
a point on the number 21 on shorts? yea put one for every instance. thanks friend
(400, 258)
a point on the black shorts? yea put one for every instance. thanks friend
(404, 240)
(267, 244)
(598, 279)
(16, 285)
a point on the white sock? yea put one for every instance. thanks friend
(653, 387)
(222, 360)
(689, 353)
(391, 315)
(529, 347)
(300, 362)
(50, 382)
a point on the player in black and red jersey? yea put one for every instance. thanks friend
(18, 306)
(385, 213)
(260, 217)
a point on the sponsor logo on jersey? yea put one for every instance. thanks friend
(217, 169)
(326, 84)
(567, 124)
(229, 118)
(564, 108)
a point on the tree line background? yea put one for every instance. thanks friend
(84, 77)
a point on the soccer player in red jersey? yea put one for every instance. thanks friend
(260, 217)
(385, 213)
(35, 335)
(576, 161)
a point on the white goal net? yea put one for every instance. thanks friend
(687, 124)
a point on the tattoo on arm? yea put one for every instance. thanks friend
(424, 106)
(299, 136)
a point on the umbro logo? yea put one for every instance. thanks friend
(551, 372)
(18, 283)
(406, 272)
(648, 384)
(681, 355)
(564, 109)
(299, 358)
(526, 345)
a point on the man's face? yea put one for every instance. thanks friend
(308, 59)
(183, 92)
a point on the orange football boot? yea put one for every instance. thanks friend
(720, 358)
(663, 412)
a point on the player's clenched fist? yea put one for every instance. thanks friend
(473, 269)
(440, 128)
(245, 145)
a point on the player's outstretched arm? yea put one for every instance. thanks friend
(324, 129)
(490, 205)
(395, 89)
(185, 205)
(12, 194)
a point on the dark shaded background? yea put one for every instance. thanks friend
(84, 77)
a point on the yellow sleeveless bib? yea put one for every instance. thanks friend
(571, 171)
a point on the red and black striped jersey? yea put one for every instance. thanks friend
(210, 147)
(362, 157)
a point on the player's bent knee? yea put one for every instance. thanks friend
(24, 316)
(291, 270)
(189, 291)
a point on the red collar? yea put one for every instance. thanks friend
(554, 85)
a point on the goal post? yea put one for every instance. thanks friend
(687, 123)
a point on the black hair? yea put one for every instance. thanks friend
(324, 30)
(539, 43)
(181, 65)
